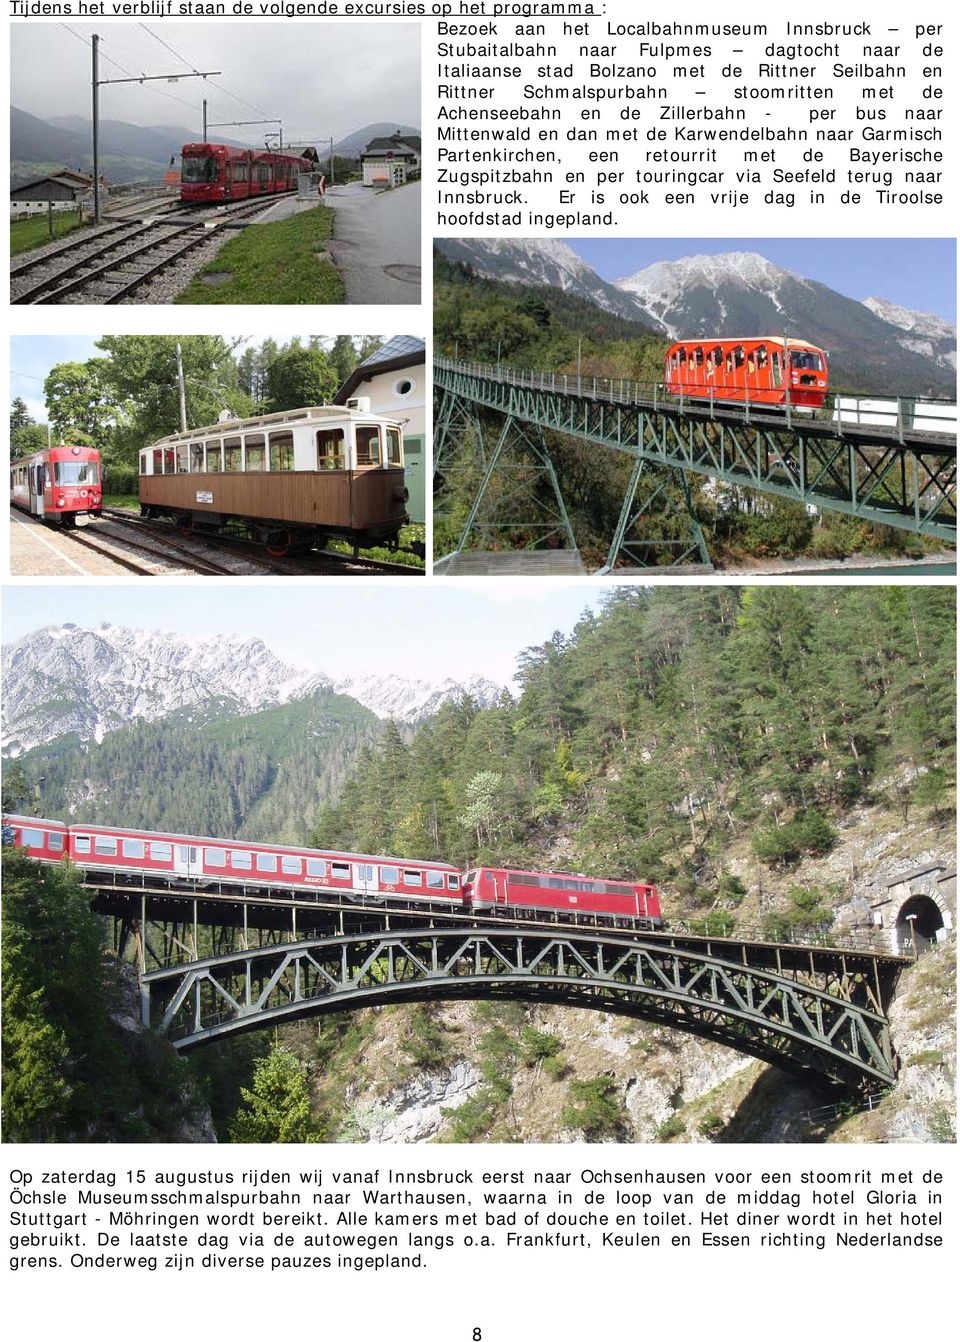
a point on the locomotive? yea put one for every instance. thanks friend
(58, 484)
(762, 370)
(129, 855)
(288, 480)
(217, 172)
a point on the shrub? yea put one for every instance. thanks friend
(710, 1124)
(536, 1046)
(673, 1127)
(596, 1108)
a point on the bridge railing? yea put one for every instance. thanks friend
(899, 415)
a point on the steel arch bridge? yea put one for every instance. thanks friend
(827, 1025)
(894, 467)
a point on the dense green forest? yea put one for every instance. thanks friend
(527, 326)
(128, 396)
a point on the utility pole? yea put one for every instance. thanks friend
(331, 161)
(97, 83)
(204, 136)
(183, 390)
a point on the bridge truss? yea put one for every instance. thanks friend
(888, 472)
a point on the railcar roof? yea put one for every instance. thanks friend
(302, 416)
(791, 342)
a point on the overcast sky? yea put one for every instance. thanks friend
(350, 627)
(321, 79)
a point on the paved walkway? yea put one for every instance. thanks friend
(376, 242)
(38, 551)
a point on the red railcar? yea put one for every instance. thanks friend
(58, 484)
(765, 370)
(212, 172)
(493, 888)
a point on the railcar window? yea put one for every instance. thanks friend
(76, 472)
(256, 460)
(390, 875)
(330, 450)
(56, 842)
(364, 871)
(806, 359)
(281, 451)
(216, 857)
(232, 454)
(434, 880)
(214, 456)
(453, 882)
(133, 848)
(158, 461)
(340, 871)
(241, 861)
(266, 862)
(183, 459)
(199, 168)
(698, 356)
(393, 448)
(316, 867)
(368, 445)
(291, 865)
(161, 852)
(31, 838)
(196, 458)
(738, 356)
(716, 354)
(81, 843)
(413, 878)
(761, 356)
(102, 843)
(470, 878)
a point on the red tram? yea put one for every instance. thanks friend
(765, 370)
(58, 484)
(211, 172)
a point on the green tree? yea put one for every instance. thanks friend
(299, 377)
(29, 438)
(277, 1107)
(79, 399)
(19, 414)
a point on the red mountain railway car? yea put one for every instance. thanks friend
(763, 370)
(500, 889)
(217, 172)
(58, 484)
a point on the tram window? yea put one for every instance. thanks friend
(255, 452)
(31, 838)
(738, 356)
(102, 843)
(316, 867)
(340, 871)
(716, 354)
(232, 454)
(76, 472)
(216, 857)
(330, 450)
(158, 461)
(55, 841)
(266, 862)
(453, 882)
(133, 848)
(291, 865)
(698, 356)
(368, 445)
(434, 880)
(196, 458)
(728, 363)
(390, 875)
(281, 451)
(413, 878)
(806, 359)
(161, 852)
(195, 168)
(761, 356)
(365, 872)
(241, 861)
(183, 459)
(393, 447)
(683, 356)
(81, 843)
(214, 456)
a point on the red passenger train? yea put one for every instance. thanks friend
(58, 484)
(765, 370)
(129, 855)
(211, 172)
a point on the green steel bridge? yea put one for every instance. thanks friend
(883, 461)
(217, 960)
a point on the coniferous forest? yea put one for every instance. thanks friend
(721, 742)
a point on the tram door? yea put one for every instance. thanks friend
(36, 490)
(187, 860)
(367, 878)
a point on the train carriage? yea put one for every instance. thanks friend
(43, 840)
(58, 484)
(288, 480)
(764, 370)
(566, 893)
(219, 172)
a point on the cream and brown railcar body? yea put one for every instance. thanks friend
(289, 480)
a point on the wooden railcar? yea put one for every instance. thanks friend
(58, 484)
(289, 480)
(764, 370)
(217, 172)
(563, 893)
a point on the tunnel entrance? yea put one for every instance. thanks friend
(919, 924)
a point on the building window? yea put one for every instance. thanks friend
(281, 451)
(404, 387)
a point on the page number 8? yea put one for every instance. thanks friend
(477, 1335)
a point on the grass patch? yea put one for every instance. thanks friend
(121, 501)
(25, 234)
(273, 263)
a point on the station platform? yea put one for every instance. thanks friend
(512, 563)
(39, 551)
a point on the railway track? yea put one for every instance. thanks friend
(175, 554)
(117, 260)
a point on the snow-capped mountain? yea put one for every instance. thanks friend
(536, 261)
(924, 332)
(69, 681)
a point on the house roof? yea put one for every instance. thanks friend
(399, 352)
(395, 144)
